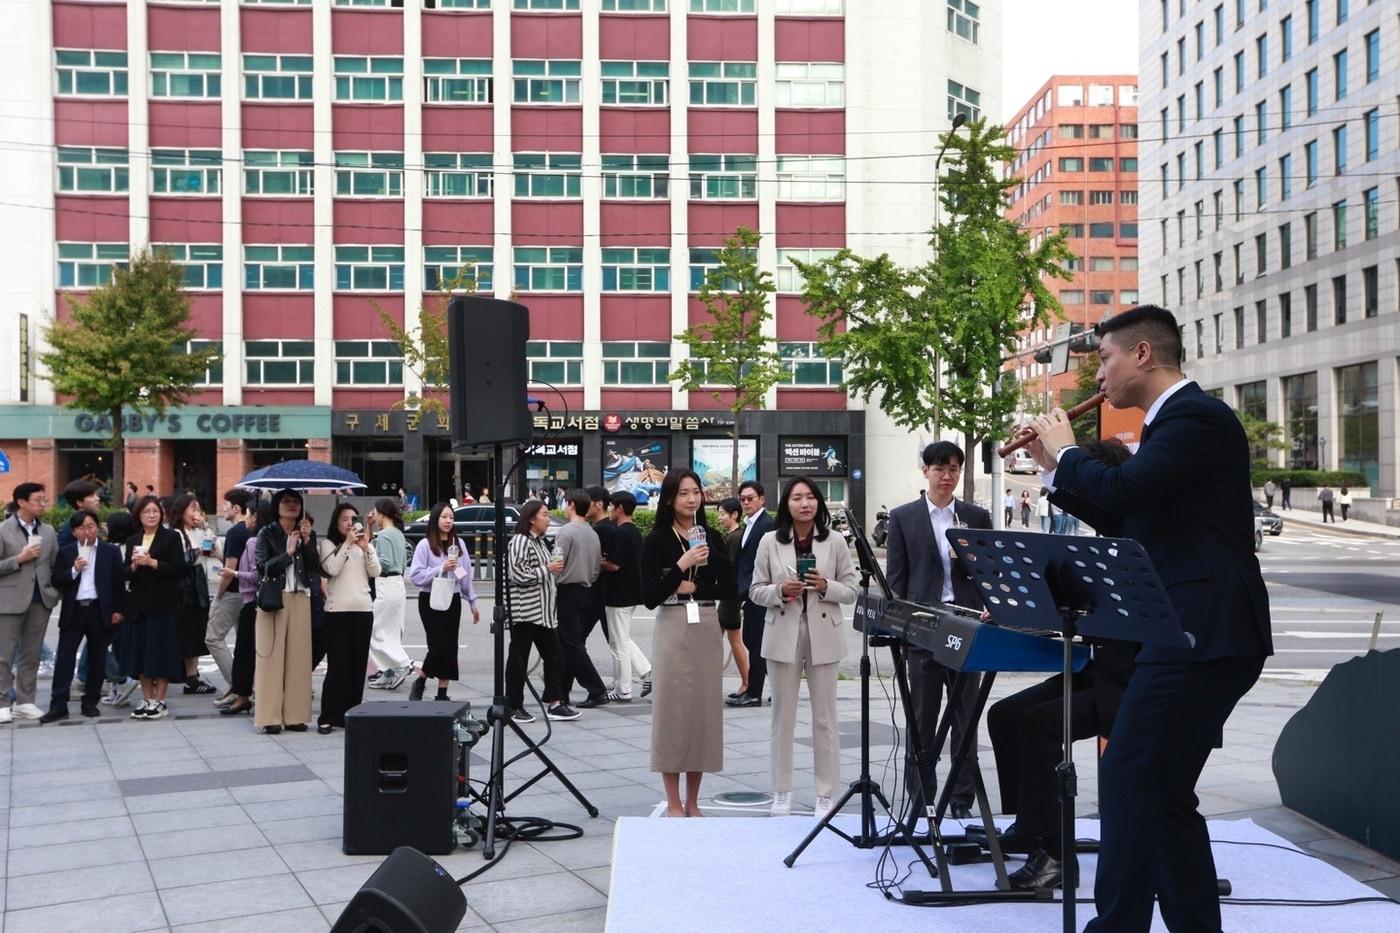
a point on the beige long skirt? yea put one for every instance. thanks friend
(687, 700)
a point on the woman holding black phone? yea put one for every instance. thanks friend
(348, 564)
(685, 572)
(286, 559)
(155, 564)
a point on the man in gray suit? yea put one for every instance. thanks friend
(27, 551)
(920, 567)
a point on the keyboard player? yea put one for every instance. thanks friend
(920, 567)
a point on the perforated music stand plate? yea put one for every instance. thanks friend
(1025, 577)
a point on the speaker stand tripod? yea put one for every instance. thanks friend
(498, 715)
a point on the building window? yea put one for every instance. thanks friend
(1200, 339)
(89, 265)
(1339, 150)
(1370, 291)
(368, 363)
(554, 81)
(1373, 55)
(1339, 74)
(284, 173)
(548, 269)
(1372, 123)
(458, 175)
(642, 269)
(467, 268)
(1285, 28)
(1285, 246)
(547, 6)
(1310, 163)
(730, 177)
(1261, 122)
(1314, 18)
(1071, 164)
(1261, 187)
(705, 260)
(368, 79)
(811, 178)
(1310, 307)
(1261, 51)
(632, 6)
(1285, 314)
(202, 263)
(1310, 235)
(458, 81)
(805, 7)
(186, 74)
(1097, 164)
(1285, 177)
(636, 84)
(1071, 296)
(810, 84)
(1239, 72)
(636, 364)
(1128, 164)
(1339, 225)
(87, 170)
(1128, 296)
(1343, 10)
(277, 77)
(1239, 136)
(90, 73)
(1101, 264)
(280, 362)
(279, 268)
(1261, 254)
(555, 362)
(369, 174)
(1300, 409)
(726, 6)
(1339, 299)
(214, 375)
(804, 364)
(186, 171)
(1372, 200)
(1359, 446)
(963, 20)
(452, 4)
(1098, 296)
(789, 278)
(1101, 231)
(1072, 197)
(636, 177)
(369, 268)
(1239, 329)
(548, 175)
(293, 2)
(723, 84)
(963, 100)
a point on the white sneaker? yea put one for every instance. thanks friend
(27, 711)
(121, 693)
(782, 804)
(45, 670)
(6, 716)
(823, 807)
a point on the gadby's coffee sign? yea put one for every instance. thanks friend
(207, 423)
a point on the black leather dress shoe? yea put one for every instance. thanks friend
(91, 712)
(1013, 841)
(1042, 870)
(744, 700)
(594, 701)
(54, 715)
(959, 810)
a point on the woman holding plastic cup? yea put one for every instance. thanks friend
(803, 574)
(440, 556)
(685, 572)
(155, 562)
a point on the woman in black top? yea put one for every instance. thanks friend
(155, 564)
(731, 522)
(187, 518)
(682, 581)
(287, 554)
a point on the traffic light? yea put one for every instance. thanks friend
(1082, 340)
(1043, 355)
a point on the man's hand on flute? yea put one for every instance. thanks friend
(1053, 433)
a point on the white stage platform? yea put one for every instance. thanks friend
(722, 874)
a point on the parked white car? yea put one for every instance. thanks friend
(1021, 461)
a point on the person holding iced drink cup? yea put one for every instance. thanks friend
(442, 571)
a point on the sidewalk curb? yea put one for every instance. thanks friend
(1387, 532)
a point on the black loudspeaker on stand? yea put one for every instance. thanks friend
(486, 344)
(409, 893)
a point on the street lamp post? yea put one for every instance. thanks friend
(958, 121)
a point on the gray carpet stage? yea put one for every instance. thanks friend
(727, 874)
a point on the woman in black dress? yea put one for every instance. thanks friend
(187, 517)
(685, 571)
(155, 564)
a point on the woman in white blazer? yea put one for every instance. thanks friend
(803, 633)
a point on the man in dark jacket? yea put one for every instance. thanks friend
(757, 523)
(88, 575)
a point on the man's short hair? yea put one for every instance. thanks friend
(240, 497)
(753, 484)
(78, 490)
(75, 521)
(23, 491)
(624, 500)
(1149, 324)
(581, 501)
(599, 494)
(941, 453)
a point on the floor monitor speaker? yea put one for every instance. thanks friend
(409, 893)
(486, 339)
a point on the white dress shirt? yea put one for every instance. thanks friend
(943, 518)
(87, 582)
(748, 526)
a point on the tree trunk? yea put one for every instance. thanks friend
(969, 474)
(734, 456)
(118, 490)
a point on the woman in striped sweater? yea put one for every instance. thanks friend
(530, 570)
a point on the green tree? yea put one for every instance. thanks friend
(425, 348)
(124, 347)
(963, 308)
(1263, 436)
(1086, 426)
(730, 356)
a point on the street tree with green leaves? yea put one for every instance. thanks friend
(964, 308)
(126, 348)
(425, 348)
(730, 357)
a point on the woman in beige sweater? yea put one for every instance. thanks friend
(347, 563)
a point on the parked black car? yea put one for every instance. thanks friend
(470, 519)
(1271, 521)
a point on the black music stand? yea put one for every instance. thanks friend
(1103, 587)
(866, 786)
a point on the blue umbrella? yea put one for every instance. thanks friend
(301, 474)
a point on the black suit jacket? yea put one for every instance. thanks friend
(108, 578)
(743, 569)
(1185, 496)
(155, 592)
(912, 566)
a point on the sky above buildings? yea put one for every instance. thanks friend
(1046, 37)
